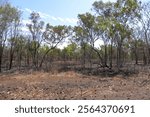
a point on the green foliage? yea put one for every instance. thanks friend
(44, 48)
(87, 20)
(8, 14)
(111, 23)
(70, 51)
(53, 35)
(36, 26)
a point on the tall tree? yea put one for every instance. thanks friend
(105, 21)
(91, 31)
(54, 35)
(8, 15)
(14, 34)
(145, 33)
(80, 38)
(118, 17)
(35, 28)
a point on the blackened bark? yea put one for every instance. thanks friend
(1, 56)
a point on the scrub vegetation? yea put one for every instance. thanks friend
(32, 66)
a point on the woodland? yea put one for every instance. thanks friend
(122, 59)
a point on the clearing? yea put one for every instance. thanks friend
(73, 85)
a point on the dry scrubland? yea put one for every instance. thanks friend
(120, 29)
(73, 85)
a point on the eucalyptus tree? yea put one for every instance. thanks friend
(54, 35)
(91, 32)
(8, 16)
(35, 28)
(21, 51)
(127, 11)
(14, 34)
(118, 17)
(137, 47)
(106, 22)
(145, 24)
(80, 38)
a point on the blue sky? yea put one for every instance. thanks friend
(55, 12)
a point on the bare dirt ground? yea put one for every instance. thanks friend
(72, 85)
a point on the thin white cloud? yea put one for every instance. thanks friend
(71, 20)
(47, 17)
(44, 15)
(28, 10)
(68, 20)
(61, 19)
(74, 19)
(54, 18)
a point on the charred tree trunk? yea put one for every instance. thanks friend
(1, 56)
(11, 58)
(0, 61)
(105, 60)
(111, 51)
(136, 57)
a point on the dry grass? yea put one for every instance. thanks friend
(72, 85)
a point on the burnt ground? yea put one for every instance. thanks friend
(72, 85)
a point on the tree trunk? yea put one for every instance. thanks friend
(136, 57)
(19, 60)
(35, 55)
(0, 62)
(100, 57)
(111, 50)
(11, 58)
(119, 57)
(144, 58)
(83, 55)
(148, 48)
(10, 61)
(105, 61)
(27, 59)
(43, 58)
(1, 56)
(149, 55)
